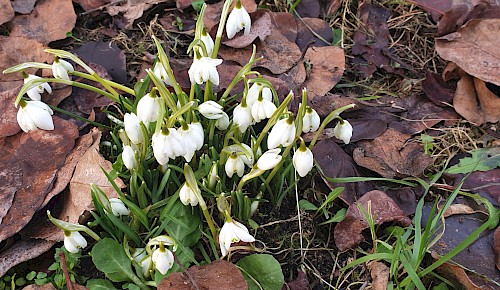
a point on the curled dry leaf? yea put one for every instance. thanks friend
(474, 48)
(475, 102)
(380, 275)
(313, 32)
(49, 21)
(436, 89)
(216, 275)
(126, 13)
(299, 283)
(39, 171)
(308, 8)
(91, 4)
(23, 6)
(456, 274)
(286, 24)
(6, 11)
(463, 11)
(21, 252)
(458, 208)
(496, 247)
(348, 233)
(8, 122)
(47, 286)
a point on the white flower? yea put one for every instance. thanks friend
(303, 161)
(193, 137)
(237, 20)
(167, 144)
(213, 176)
(233, 232)
(74, 242)
(35, 91)
(118, 207)
(269, 159)
(128, 157)
(163, 260)
(211, 110)
(283, 133)
(343, 131)
(223, 122)
(242, 116)
(144, 260)
(160, 71)
(148, 108)
(187, 195)
(234, 164)
(311, 121)
(257, 89)
(133, 128)
(204, 69)
(61, 69)
(208, 41)
(248, 157)
(262, 109)
(33, 115)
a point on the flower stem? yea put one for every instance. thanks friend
(111, 83)
(327, 120)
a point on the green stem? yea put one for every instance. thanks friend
(210, 223)
(334, 114)
(220, 30)
(111, 83)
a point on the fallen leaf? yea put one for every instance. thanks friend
(380, 275)
(49, 21)
(391, 156)
(363, 129)
(213, 11)
(8, 122)
(6, 11)
(286, 24)
(88, 5)
(456, 274)
(348, 233)
(436, 89)
(434, 7)
(496, 247)
(261, 28)
(458, 208)
(406, 198)
(126, 13)
(23, 6)
(47, 286)
(308, 8)
(87, 100)
(299, 283)
(22, 252)
(39, 172)
(88, 171)
(183, 4)
(331, 7)
(474, 48)
(310, 31)
(327, 65)
(214, 276)
(11, 180)
(463, 11)
(480, 182)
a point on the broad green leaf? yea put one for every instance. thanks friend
(338, 217)
(183, 224)
(481, 160)
(306, 205)
(262, 271)
(100, 284)
(109, 257)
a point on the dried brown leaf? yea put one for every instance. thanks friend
(47, 286)
(311, 30)
(474, 48)
(348, 233)
(327, 67)
(8, 122)
(88, 5)
(299, 283)
(380, 275)
(308, 8)
(218, 275)
(21, 252)
(456, 274)
(286, 24)
(6, 11)
(436, 89)
(458, 208)
(126, 13)
(23, 6)
(475, 102)
(49, 21)
(11, 180)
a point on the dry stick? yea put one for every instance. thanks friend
(185, 272)
(64, 267)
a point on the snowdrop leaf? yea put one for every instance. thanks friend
(100, 284)
(264, 269)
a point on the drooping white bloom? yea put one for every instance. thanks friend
(283, 133)
(187, 195)
(167, 144)
(303, 161)
(148, 108)
(163, 260)
(144, 260)
(193, 137)
(211, 110)
(237, 20)
(258, 89)
(118, 207)
(213, 176)
(269, 159)
(343, 131)
(208, 41)
(128, 157)
(223, 122)
(74, 241)
(311, 121)
(248, 157)
(160, 71)
(61, 69)
(204, 69)
(242, 116)
(33, 115)
(35, 91)
(262, 109)
(234, 164)
(133, 128)
(233, 232)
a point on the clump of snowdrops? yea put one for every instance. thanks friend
(198, 164)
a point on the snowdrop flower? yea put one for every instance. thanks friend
(33, 115)
(207, 41)
(213, 176)
(35, 91)
(237, 20)
(187, 195)
(133, 128)
(256, 90)
(283, 133)
(233, 232)
(140, 257)
(262, 109)
(61, 69)
(160, 71)
(269, 159)
(148, 107)
(167, 144)
(211, 110)
(223, 122)
(74, 241)
(204, 69)
(234, 164)
(118, 207)
(303, 160)
(193, 137)
(128, 157)
(343, 131)
(163, 259)
(311, 120)
(242, 116)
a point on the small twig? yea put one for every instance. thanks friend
(185, 272)
(64, 267)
